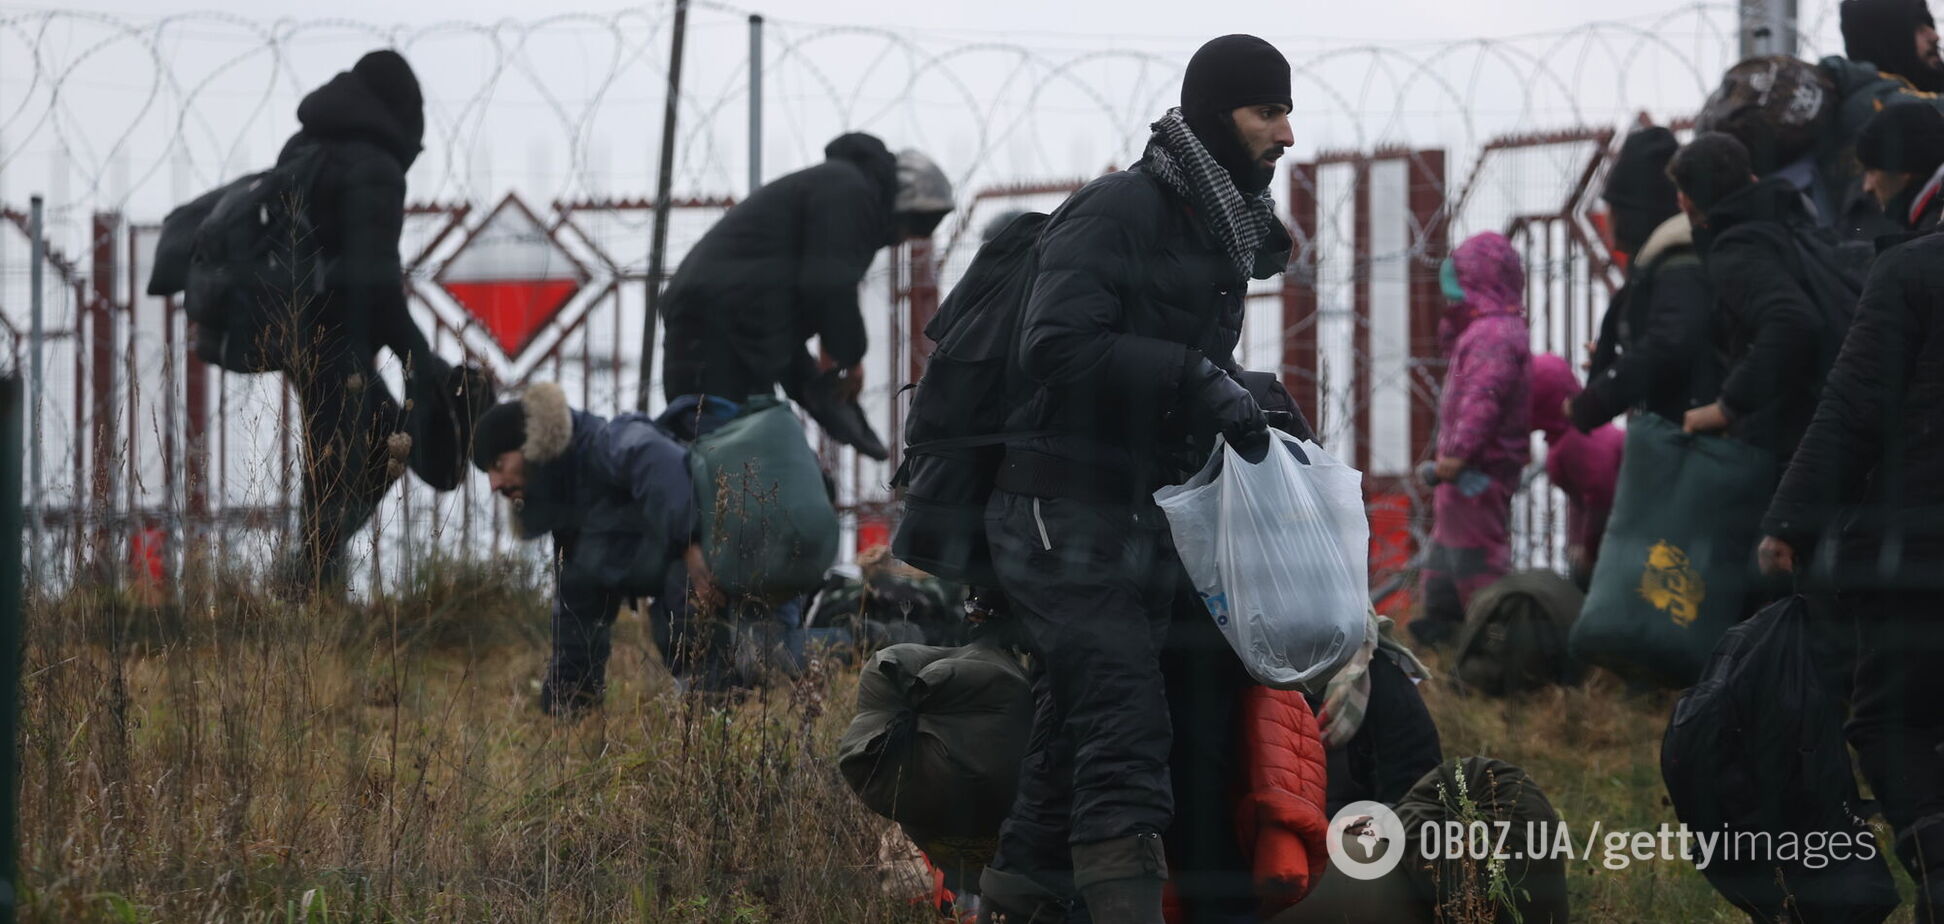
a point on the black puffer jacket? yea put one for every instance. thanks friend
(1654, 352)
(1872, 462)
(1769, 328)
(370, 135)
(779, 268)
(1130, 289)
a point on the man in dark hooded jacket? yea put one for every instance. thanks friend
(1898, 36)
(364, 129)
(1769, 327)
(1653, 354)
(783, 266)
(1861, 507)
(1127, 339)
(1901, 151)
(616, 497)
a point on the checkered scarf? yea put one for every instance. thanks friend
(1242, 223)
(1348, 696)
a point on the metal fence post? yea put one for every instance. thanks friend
(10, 635)
(755, 103)
(658, 247)
(37, 343)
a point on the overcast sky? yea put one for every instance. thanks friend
(524, 97)
(1148, 20)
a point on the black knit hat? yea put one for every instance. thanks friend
(500, 430)
(1226, 74)
(1233, 71)
(1639, 175)
(1883, 32)
(1638, 190)
(1905, 138)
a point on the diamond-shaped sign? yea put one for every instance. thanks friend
(512, 276)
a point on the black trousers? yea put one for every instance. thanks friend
(346, 414)
(1897, 719)
(1205, 681)
(583, 640)
(1093, 586)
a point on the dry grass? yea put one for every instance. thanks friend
(239, 759)
(234, 758)
(1595, 750)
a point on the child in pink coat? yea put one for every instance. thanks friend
(1584, 465)
(1483, 432)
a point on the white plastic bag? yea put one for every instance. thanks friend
(1279, 552)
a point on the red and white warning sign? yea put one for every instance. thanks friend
(512, 276)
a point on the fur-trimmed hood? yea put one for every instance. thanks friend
(1676, 232)
(552, 473)
(549, 423)
(620, 485)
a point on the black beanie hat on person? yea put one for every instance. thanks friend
(1638, 191)
(1883, 32)
(1226, 74)
(1906, 138)
(500, 430)
(390, 77)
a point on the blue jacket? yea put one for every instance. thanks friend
(614, 494)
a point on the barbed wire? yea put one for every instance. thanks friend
(135, 114)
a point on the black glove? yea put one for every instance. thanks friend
(1220, 404)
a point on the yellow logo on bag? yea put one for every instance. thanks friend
(1672, 585)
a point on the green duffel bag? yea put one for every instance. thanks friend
(1679, 553)
(1392, 898)
(938, 737)
(1478, 794)
(1514, 639)
(768, 528)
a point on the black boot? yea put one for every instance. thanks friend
(1013, 898)
(1122, 879)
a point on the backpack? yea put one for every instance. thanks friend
(1756, 748)
(1832, 273)
(1515, 634)
(955, 432)
(244, 256)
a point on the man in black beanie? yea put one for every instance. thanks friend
(1653, 352)
(1127, 344)
(1901, 150)
(1898, 36)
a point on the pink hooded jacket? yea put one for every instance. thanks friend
(1482, 417)
(1584, 465)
